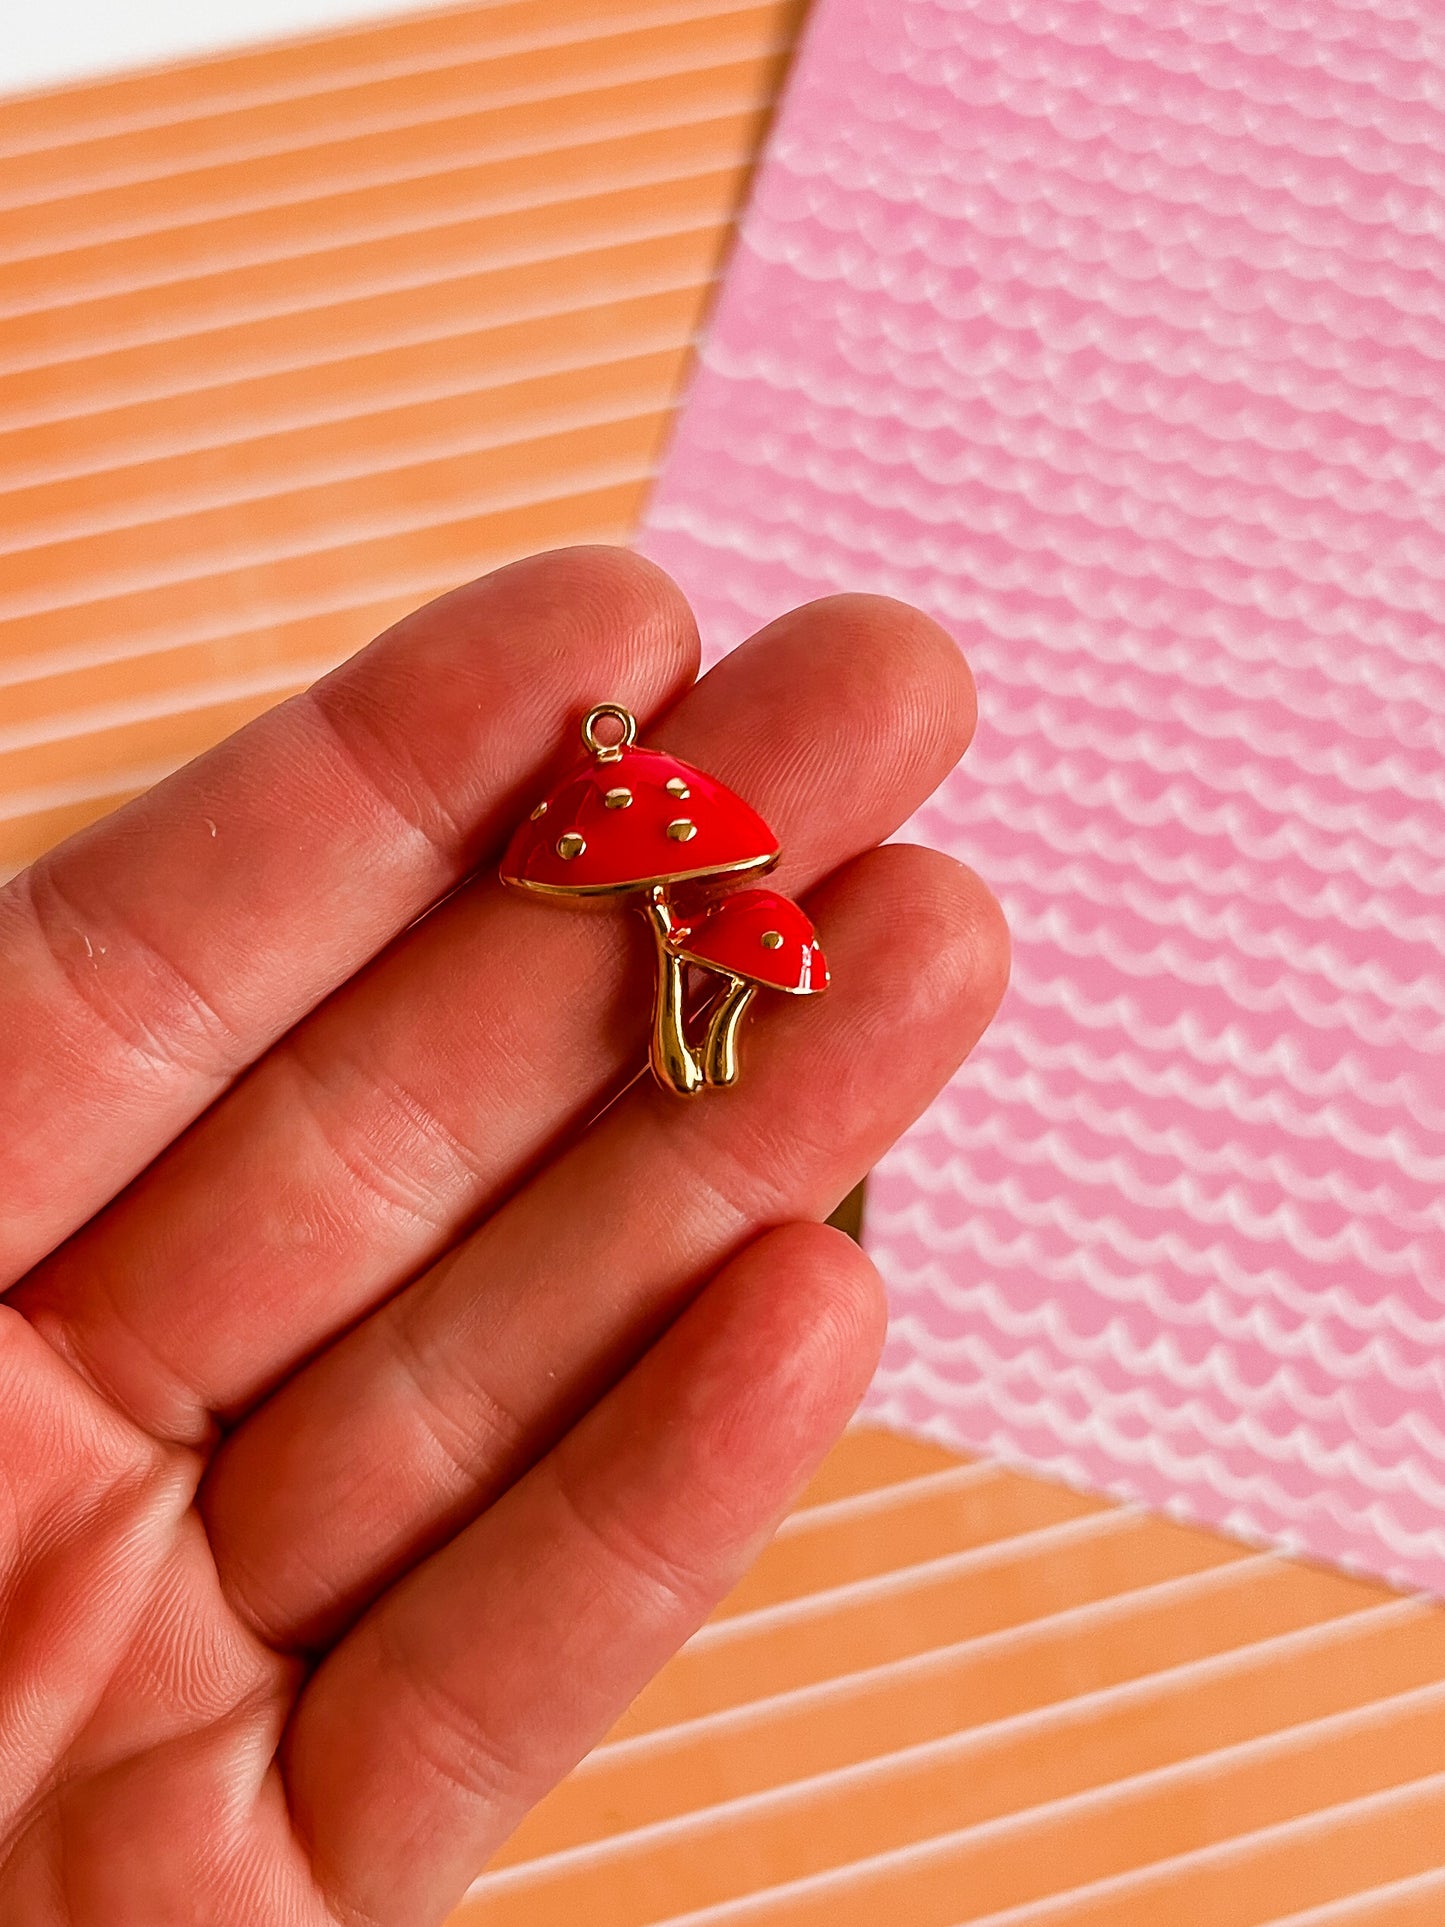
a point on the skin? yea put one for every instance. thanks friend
(388, 1384)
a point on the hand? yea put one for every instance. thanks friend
(372, 1423)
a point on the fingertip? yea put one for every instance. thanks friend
(960, 924)
(598, 588)
(854, 1316)
(948, 975)
(801, 1315)
(990, 941)
(839, 1297)
(892, 647)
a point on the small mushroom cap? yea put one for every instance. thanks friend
(638, 819)
(760, 936)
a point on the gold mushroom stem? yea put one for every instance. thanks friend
(672, 1061)
(720, 1047)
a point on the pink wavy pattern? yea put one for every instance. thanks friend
(1113, 332)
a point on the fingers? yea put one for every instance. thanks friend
(147, 960)
(475, 1685)
(422, 1092)
(389, 1442)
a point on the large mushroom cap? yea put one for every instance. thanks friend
(760, 936)
(634, 819)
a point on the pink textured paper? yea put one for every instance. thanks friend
(1114, 334)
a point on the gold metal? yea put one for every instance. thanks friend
(682, 829)
(541, 809)
(771, 940)
(676, 787)
(673, 1064)
(572, 844)
(720, 1046)
(608, 752)
(639, 884)
(618, 799)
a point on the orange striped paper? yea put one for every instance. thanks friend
(293, 339)
(949, 1693)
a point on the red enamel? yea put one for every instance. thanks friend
(729, 938)
(631, 846)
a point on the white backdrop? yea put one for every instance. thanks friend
(47, 44)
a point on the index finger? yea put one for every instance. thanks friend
(148, 960)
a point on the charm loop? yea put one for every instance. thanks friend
(608, 752)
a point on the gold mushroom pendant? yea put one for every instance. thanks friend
(644, 826)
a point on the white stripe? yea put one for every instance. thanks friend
(609, 75)
(17, 479)
(488, 206)
(105, 649)
(402, 589)
(887, 1498)
(1073, 1622)
(117, 783)
(347, 295)
(360, 74)
(1120, 1520)
(88, 526)
(1243, 1846)
(1359, 1907)
(65, 725)
(97, 654)
(114, 586)
(305, 190)
(1063, 1715)
(763, 1904)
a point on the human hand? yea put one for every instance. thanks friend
(370, 1430)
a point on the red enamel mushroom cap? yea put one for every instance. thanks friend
(631, 818)
(760, 936)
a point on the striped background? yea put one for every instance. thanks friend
(260, 391)
(949, 1693)
(293, 339)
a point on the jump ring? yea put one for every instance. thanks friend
(619, 714)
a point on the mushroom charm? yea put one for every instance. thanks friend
(756, 937)
(640, 824)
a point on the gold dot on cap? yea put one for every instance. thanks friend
(771, 940)
(682, 829)
(676, 787)
(617, 799)
(570, 845)
(541, 809)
